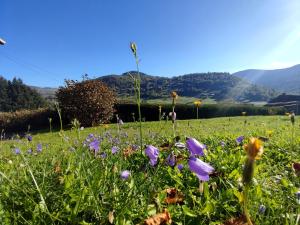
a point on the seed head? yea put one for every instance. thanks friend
(133, 48)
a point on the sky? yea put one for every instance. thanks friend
(52, 40)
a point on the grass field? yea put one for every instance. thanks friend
(62, 181)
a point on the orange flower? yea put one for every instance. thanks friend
(174, 94)
(254, 148)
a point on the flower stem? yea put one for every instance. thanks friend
(245, 202)
(173, 117)
(138, 99)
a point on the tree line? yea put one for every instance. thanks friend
(15, 95)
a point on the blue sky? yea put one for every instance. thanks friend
(50, 40)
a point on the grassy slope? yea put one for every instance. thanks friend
(79, 187)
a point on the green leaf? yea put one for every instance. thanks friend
(187, 211)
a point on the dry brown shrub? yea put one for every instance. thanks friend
(89, 101)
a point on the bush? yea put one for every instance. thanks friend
(150, 111)
(19, 121)
(89, 101)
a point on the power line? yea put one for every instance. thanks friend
(30, 66)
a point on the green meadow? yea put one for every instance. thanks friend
(57, 179)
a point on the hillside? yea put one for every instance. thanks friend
(47, 92)
(284, 80)
(217, 86)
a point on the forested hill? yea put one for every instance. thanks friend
(219, 86)
(15, 95)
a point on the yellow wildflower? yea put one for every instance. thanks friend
(197, 103)
(254, 148)
(174, 95)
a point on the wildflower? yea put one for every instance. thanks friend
(239, 140)
(292, 116)
(172, 115)
(197, 103)
(90, 136)
(171, 160)
(200, 168)
(39, 147)
(133, 48)
(17, 151)
(9, 162)
(195, 147)
(134, 147)
(222, 143)
(179, 145)
(125, 174)
(174, 95)
(81, 128)
(180, 167)
(94, 145)
(29, 138)
(120, 122)
(244, 113)
(262, 209)
(152, 154)
(114, 149)
(29, 151)
(269, 133)
(103, 155)
(254, 149)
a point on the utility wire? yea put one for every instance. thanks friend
(30, 66)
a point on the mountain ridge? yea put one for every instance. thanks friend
(217, 85)
(285, 80)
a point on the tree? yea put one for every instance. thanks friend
(89, 101)
(14, 95)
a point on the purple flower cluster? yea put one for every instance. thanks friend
(95, 145)
(239, 140)
(17, 151)
(29, 138)
(171, 160)
(197, 166)
(114, 149)
(39, 148)
(152, 154)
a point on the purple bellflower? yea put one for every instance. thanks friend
(125, 174)
(152, 154)
(195, 147)
(200, 168)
